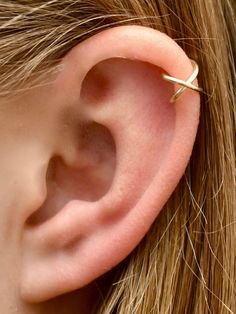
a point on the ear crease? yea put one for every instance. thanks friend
(97, 85)
(87, 178)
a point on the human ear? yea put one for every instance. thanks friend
(113, 83)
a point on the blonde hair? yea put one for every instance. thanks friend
(186, 263)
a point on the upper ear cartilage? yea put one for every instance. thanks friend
(186, 84)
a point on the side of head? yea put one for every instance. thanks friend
(93, 152)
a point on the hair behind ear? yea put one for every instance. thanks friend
(201, 211)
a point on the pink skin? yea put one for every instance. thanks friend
(88, 162)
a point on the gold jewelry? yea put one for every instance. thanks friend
(186, 84)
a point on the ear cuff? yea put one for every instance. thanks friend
(185, 84)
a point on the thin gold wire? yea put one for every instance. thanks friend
(186, 84)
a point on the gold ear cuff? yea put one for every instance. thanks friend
(186, 84)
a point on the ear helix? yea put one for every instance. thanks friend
(185, 84)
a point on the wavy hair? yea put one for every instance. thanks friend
(187, 261)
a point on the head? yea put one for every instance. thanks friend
(101, 173)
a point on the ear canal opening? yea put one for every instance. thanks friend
(88, 179)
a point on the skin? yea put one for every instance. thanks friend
(77, 181)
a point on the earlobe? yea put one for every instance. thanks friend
(117, 87)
